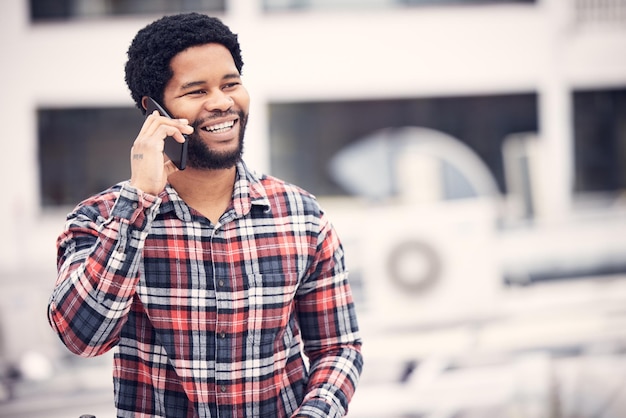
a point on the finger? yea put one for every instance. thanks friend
(155, 121)
(167, 130)
(149, 123)
(169, 168)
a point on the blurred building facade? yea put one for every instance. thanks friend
(540, 83)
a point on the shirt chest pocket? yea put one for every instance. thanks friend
(270, 306)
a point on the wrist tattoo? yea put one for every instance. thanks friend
(137, 156)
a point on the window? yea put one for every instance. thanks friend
(41, 10)
(600, 140)
(304, 137)
(280, 5)
(84, 151)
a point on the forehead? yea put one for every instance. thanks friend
(213, 57)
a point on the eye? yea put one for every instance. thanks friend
(195, 93)
(230, 85)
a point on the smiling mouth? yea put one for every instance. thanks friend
(219, 127)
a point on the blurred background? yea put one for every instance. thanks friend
(471, 153)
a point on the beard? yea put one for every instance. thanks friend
(200, 156)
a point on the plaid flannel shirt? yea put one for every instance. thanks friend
(209, 320)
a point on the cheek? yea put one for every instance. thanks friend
(185, 111)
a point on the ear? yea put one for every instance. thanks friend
(144, 103)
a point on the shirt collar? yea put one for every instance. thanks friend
(247, 192)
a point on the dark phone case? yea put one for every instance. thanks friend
(176, 151)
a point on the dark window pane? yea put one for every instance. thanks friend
(73, 9)
(304, 137)
(46, 10)
(600, 140)
(83, 151)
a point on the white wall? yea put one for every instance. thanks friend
(415, 52)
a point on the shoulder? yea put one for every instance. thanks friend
(98, 205)
(275, 185)
(283, 193)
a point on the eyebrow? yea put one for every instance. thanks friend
(193, 84)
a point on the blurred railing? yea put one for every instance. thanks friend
(607, 13)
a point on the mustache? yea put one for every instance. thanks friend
(216, 115)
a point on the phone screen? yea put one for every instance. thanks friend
(175, 151)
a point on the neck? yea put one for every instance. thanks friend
(207, 191)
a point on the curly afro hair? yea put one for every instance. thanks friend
(148, 67)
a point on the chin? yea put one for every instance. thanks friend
(214, 161)
(201, 157)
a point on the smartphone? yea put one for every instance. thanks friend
(176, 151)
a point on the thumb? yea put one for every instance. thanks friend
(169, 168)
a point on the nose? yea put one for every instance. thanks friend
(218, 101)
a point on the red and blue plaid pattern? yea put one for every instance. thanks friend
(208, 319)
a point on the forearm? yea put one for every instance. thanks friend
(98, 270)
(330, 332)
(332, 383)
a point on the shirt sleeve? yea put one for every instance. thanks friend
(98, 258)
(330, 331)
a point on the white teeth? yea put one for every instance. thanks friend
(220, 127)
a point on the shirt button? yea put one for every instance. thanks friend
(223, 388)
(220, 283)
(135, 205)
(222, 334)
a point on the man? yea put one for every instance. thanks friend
(209, 281)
